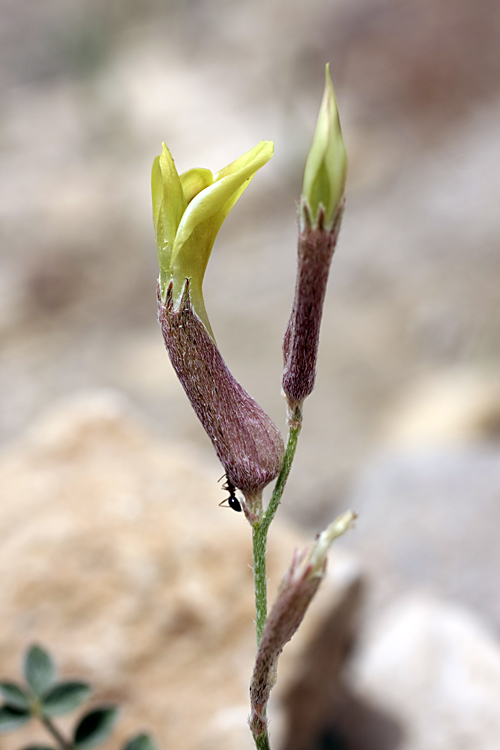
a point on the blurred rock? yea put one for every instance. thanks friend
(429, 518)
(115, 556)
(454, 406)
(436, 668)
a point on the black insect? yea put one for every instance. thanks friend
(232, 501)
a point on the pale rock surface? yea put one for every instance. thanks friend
(452, 406)
(115, 555)
(434, 667)
(429, 518)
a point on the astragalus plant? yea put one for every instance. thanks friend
(188, 211)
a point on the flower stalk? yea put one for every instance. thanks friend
(261, 528)
(320, 215)
(188, 211)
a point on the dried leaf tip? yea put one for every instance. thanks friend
(297, 590)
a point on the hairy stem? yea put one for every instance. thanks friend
(260, 582)
(56, 734)
(261, 528)
(262, 741)
(293, 437)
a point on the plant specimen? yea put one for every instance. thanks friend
(188, 211)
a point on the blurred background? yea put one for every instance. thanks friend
(404, 423)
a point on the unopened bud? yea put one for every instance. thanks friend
(320, 216)
(326, 166)
(297, 589)
(316, 246)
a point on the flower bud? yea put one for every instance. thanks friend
(297, 589)
(320, 215)
(326, 166)
(316, 246)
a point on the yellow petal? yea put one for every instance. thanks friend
(194, 181)
(169, 205)
(202, 220)
(263, 150)
(220, 197)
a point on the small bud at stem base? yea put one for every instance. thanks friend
(297, 589)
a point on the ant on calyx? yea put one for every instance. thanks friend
(232, 501)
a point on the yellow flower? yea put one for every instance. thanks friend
(326, 166)
(188, 211)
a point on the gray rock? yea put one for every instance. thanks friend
(431, 519)
(437, 669)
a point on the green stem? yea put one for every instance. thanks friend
(259, 535)
(262, 742)
(293, 437)
(261, 528)
(260, 582)
(56, 734)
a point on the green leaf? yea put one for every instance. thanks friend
(141, 742)
(65, 697)
(38, 747)
(14, 695)
(11, 718)
(95, 727)
(39, 670)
